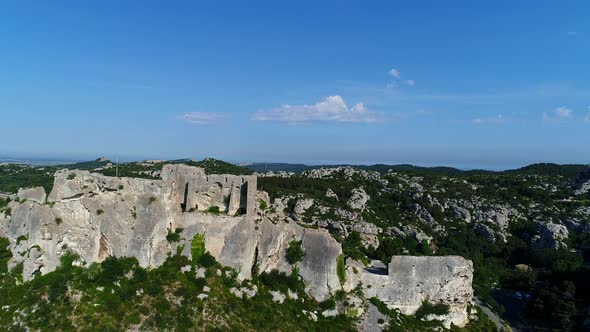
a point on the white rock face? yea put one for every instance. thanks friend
(414, 279)
(36, 194)
(318, 267)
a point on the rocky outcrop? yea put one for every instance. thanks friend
(425, 218)
(412, 280)
(493, 222)
(411, 231)
(302, 205)
(36, 194)
(331, 194)
(460, 213)
(318, 267)
(551, 236)
(369, 233)
(358, 199)
(348, 172)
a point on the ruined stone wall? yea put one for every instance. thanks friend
(192, 190)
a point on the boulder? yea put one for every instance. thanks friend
(461, 213)
(278, 297)
(551, 236)
(331, 194)
(302, 205)
(358, 200)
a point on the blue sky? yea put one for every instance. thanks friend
(462, 83)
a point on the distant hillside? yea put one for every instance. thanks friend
(549, 169)
(87, 165)
(546, 169)
(298, 168)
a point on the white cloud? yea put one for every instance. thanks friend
(563, 112)
(493, 120)
(560, 113)
(394, 72)
(410, 82)
(333, 109)
(587, 117)
(200, 117)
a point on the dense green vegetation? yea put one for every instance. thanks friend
(14, 176)
(119, 294)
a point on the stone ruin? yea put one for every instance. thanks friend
(193, 190)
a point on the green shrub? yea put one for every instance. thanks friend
(21, 238)
(58, 221)
(71, 176)
(295, 252)
(428, 308)
(263, 205)
(214, 209)
(327, 304)
(152, 199)
(4, 202)
(174, 236)
(341, 269)
(7, 211)
(281, 281)
(353, 247)
(5, 254)
(207, 260)
(121, 187)
(197, 247)
(99, 212)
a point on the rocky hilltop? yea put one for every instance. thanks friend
(96, 216)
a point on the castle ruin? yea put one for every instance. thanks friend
(193, 190)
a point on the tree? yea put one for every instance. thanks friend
(295, 252)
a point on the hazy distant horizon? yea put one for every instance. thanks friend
(56, 160)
